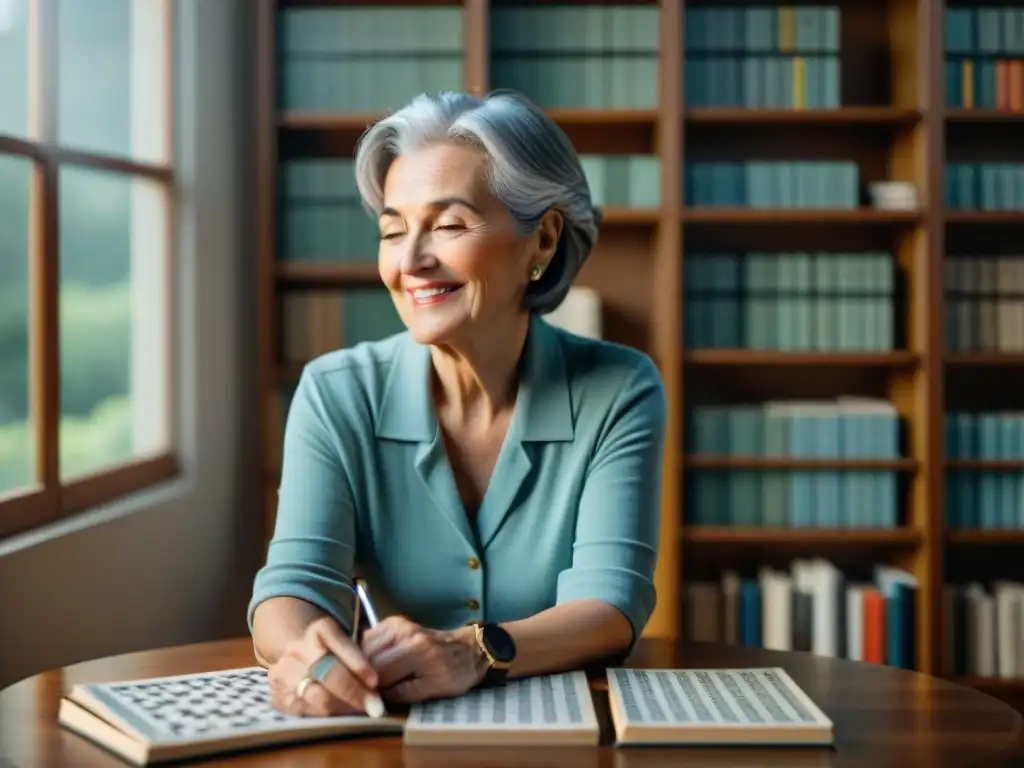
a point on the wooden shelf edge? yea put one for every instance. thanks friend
(954, 115)
(328, 272)
(358, 121)
(879, 115)
(756, 357)
(793, 463)
(810, 537)
(984, 358)
(741, 215)
(974, 216)
(977, 536)
(994, 465)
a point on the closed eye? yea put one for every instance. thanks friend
(390, 235)
(452, 227)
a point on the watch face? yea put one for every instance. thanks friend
(499, 642)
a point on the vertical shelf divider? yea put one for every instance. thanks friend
(931, 58)
(666, 319)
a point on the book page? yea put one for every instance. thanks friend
(557, 702)
(718, 697)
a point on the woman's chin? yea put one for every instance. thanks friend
(432, 333)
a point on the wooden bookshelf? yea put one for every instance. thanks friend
(893, 121)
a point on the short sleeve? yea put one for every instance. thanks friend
(618, 523)
(312, 552)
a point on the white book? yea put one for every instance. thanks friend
(543, 710)
(161, 719)
(750, 707)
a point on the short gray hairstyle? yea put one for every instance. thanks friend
(533, 168)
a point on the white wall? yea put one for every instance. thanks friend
(173, 565)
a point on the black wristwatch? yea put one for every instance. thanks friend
(498, 648)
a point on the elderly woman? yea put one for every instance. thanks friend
(496, 480)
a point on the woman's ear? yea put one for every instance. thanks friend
(548, 234)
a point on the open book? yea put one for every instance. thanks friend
(750, 707)
(157, 720)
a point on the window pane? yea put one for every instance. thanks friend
(112, 67)
(113, 311)
(17, 441)
(14, 67)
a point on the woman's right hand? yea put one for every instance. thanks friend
(349, 687)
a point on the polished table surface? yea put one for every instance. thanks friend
(882, 716)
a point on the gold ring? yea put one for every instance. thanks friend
(300, 689)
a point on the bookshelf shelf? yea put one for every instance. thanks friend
(983, 116)
(784, 216)
(987, 537)
(328, 273)
(984, 359)
(883, 112)
(696, 462)
(751, 358)
(984, 217)
(627, 216)
(809, 538)
(839, 116)
(989, 465)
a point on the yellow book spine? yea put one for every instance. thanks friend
(799, 82)
(968, 84)
(787, 29)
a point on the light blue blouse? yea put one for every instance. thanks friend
(571, 511)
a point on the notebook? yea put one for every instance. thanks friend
(714, 707)
(162, 719)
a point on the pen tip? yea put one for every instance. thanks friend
(374, 706)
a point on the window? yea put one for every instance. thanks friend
(86, 207)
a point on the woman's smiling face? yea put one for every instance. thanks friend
(449, 253)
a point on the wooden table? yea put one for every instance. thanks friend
(883, 717)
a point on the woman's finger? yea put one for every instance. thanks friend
(386, 634)
(408, 658)
(347, 652)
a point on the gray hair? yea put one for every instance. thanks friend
(533, 168)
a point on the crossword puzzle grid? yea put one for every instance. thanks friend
(198, 705)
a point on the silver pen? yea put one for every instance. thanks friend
(374, 704)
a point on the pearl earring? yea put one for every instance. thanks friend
(535, 273)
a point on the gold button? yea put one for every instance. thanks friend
(473, 604)
(473, 563)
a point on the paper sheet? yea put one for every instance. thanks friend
(547, 701)
(721, 697)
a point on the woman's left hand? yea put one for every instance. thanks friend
(414, 663)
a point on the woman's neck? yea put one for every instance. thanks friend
(477, 379)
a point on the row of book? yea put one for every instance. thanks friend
(789, 300)
(768, 82)
(844, 428)
(987, 499)
(773, 184)
(577, 56)
(995, 435)
(793, 498)
(632, 181)
(986, 186)
(739, 29)
(992, 84)
(338, 60)
(762, 57)
(813, 607)
(984, 302)
(985, 629)
(985, 30)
